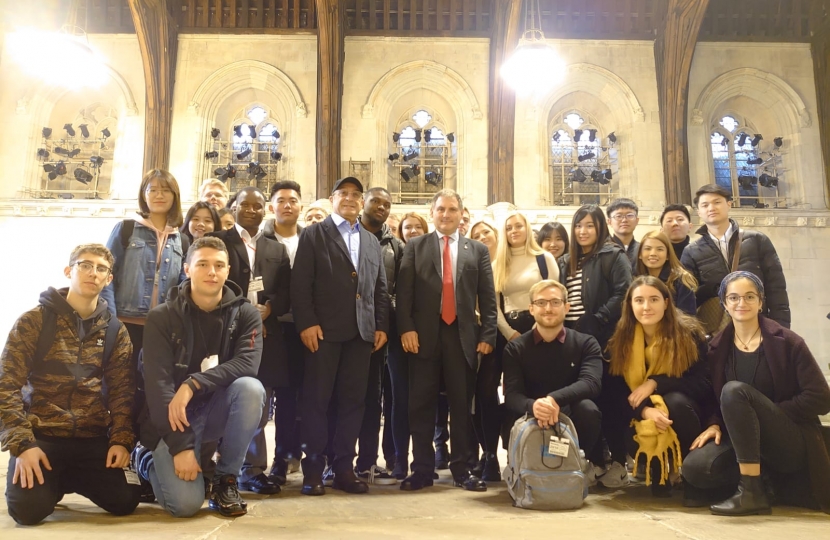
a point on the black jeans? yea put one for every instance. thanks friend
(289, 398)
(398, 363)
(489, 415)
(369, 438)
(78, 466)
(758, 431)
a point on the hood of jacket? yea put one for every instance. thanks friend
(55, 299)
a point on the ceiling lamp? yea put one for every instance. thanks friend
(535, 67)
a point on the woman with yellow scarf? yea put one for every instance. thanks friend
(655, 352)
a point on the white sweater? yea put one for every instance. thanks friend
(524, 274)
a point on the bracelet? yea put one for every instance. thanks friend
(192, 384)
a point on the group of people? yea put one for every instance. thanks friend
(154, 373)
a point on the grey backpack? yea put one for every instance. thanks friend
(537, 478)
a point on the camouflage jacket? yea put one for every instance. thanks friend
(70, 404)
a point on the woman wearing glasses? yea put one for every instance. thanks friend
(149, 254)
(764, 431)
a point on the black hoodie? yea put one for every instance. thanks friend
(168, 357)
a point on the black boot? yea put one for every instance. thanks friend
(662, 491)
(750, 499)
(224, 496)
(492, 470)
(313, 475)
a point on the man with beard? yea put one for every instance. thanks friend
(551, 369)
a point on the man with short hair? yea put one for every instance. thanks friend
(262, 269)
(66, 394)
(464, 224)
(622, 218)
(676, 221)
(341, 310)
(214, 192)
(444, 278)
(286, 196)
(551, 369)
(710, 257)
(377, 203)
(202, 350)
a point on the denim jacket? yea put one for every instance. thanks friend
(135, 269)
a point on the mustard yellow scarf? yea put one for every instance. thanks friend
(652, 443)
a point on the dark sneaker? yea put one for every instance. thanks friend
(400, 471)
(224, 497)
(279, 472)
(378, 476)
(260, 484)
(328, 477)
(141, 458)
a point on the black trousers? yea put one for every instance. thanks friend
(369, 439)
(487, 421)
(340, 372)
(78, 466)
(289, 397)
(397, 362)
(442, 419)
(388, 438)
(425, 374)
(757, 431)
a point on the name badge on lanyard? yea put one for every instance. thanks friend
(256, 285)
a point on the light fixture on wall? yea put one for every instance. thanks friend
(768, 181)
(243, 154)
(42, 154)
(577, 135)
(213, 154)
(418, 135)
(237, 130)
(451, 137)
(396, 137)
(754, 161)
(69, 130)
(408, 174)
(778, 141)
(556, 137)
(577, 175)
(756, 139)
(84, 131)
(747, 181)
(214, 133)
(68, 153)
(433, 178)
(83, 176)
(724, 142)
(742, 139)
(223, 173)
(534, 68)
(46, 132)
(411, 155)
(255, 171)
(592, 135)
(586, 156)
(276, 156)
(395, 156)
(105, 133)
(612, 138)
(599, 177)
(96, 162)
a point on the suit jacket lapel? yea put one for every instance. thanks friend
(463, 255)
(239, 246)
(436, 245)
(334, 233)
(261, 254)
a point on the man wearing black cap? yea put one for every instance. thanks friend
(341, 309)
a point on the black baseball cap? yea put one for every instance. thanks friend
(348, 180)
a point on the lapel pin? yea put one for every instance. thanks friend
(466, 245)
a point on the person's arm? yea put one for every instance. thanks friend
(813, 399)
(694, 382)
(553, 267)
(504, 327)
(701, 294)
(16, 433)
(515, 394)
(281, 299)
(487, 305)
(589, 381)
(117, 250)
(620, 278)
(685, 299)
(302, 283)
(405, 291)
(247, 353)
(775, 284)
(381, 297)
(119, 377)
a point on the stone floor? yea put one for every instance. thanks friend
(438, 512)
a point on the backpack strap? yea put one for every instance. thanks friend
(185, 240)
(48, 329)
(543, 265)
(127, 228)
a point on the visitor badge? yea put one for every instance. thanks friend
(558, 447)
(210, 362)
(256, 285)
(132, 477)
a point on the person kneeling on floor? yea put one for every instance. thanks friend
(201, 354)
(71, 432)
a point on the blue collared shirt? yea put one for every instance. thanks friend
(351, 237)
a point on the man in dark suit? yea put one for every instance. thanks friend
(341, 308)
(443, 277)
(262, 269)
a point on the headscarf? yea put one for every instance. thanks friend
(740, 274)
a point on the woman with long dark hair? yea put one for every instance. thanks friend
(768, 394)
(656, 257)
(553, 238)
(657, 379)
(597, 274)
(201, 218)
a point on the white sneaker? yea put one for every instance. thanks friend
(614, 476)
(378, 476)
(592, 473)
(293, 465)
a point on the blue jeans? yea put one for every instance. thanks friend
(232, 414)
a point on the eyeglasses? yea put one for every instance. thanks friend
(734, 299)
(622, 217)
(153, 192)
(88, 267)
(541, 303)
(353, 195)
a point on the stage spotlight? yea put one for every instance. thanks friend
(42, 154)
(223, 173)
(96, 161)
(742, 139)
(724, 142)
(275, 134)
(67, 153)
(418, 133)
(612, 137)
(215, 133)
(106, 133)
(608, 174)
(212, 154)
(451, 137)
(592, 135)
(82, 176)
(393, 157)
(69, 129)
(586, 156)
(596, 175)
(396, 137)
(84, 130)
(433, 178)
(408, 174)
(768, 181)
(556, 137)
(245, 153)
(60, 168)
(48, 168)
(577, 134)
(577, 175)
(756, 139)
(778, 141)
(754, 161)
(276, 156)
(601, 177)
(410, 155)
(427, 135)
(46, 132)
(237, 130)
(747, 181)
(256, 171)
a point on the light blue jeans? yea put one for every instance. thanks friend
(232, 414)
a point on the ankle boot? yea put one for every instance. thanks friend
(491, 471)
(750, 499)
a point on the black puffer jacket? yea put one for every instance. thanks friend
(605, 280)
(392, 251)
(704, 260)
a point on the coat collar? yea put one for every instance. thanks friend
(331, 229)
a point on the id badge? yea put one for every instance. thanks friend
(210, 362)
(131, 477)
(256, 285)
(558, 447)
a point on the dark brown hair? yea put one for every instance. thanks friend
(678, 273)
(205, 242)
(174, 215)
(575, 251)
(200, 205)
(95, 249)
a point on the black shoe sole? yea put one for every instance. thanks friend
(260, 491)
(279, 480)
(759, 512)
(226, 512)
(409, 487)
(314, 491)
(354, 489)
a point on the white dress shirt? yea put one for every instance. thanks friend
(250, 246)
(723, 242)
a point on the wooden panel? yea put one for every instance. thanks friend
(330, 54)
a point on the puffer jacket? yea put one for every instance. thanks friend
(705, 261)
(605, 280)
(68, 401)
(391, 249)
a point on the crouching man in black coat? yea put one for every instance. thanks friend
(202, 350)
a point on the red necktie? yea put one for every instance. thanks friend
(448, 296)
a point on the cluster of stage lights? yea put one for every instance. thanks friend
(411, 172)
(423, 135)
(600, 176)
(54, 170)
(746, 179)
(254, 170)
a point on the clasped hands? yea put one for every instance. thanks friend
(546, 412)
(27, 466)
